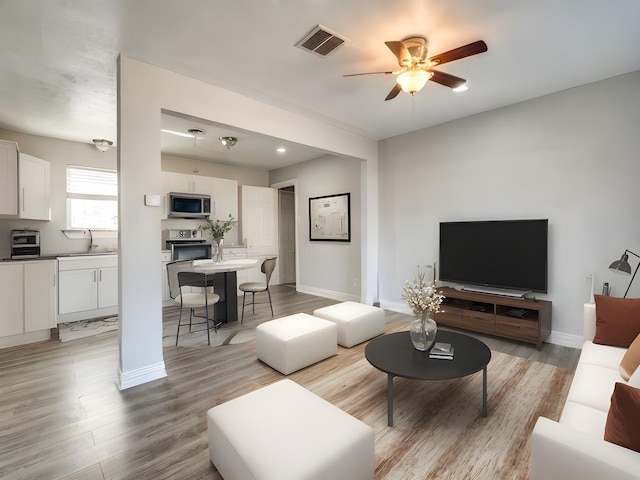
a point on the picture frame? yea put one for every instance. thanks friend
(330, 218)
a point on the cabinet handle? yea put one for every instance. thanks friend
(94, 276)
(54, 279)
(100, 275)
(23, 199)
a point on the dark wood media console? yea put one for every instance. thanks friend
(527, 320)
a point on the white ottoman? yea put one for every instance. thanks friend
(356, 322)
(285, 432)
(294, 342)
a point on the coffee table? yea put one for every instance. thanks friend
(394, 354)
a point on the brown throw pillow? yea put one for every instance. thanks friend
(617, 320)
(631, 360)
(624, 417)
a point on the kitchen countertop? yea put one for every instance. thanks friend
(59, 255)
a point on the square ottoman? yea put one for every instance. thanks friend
(294, 342)
(285, 432)
(356, 322)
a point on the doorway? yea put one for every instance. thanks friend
(287, 235)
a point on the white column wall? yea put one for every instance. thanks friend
(144, 91)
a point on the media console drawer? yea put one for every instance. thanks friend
(483, 322)
(449, 316)
(514, 327)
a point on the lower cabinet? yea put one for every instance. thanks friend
(88, 287)
(28, 299)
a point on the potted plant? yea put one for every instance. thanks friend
(217, 229)
(422, 298)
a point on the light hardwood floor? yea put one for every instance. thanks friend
(62, 416)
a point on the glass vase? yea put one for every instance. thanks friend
(423, 331)
(217, 253)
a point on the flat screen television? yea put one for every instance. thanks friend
(509, 254)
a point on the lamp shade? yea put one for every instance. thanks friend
(413, 81)
(621, 266)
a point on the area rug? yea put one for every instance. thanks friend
(439, 432)
(86, 328)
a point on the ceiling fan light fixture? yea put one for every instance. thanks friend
(413, 81)
(228, 141)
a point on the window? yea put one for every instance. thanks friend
(92, 198)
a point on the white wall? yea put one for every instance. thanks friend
(243, 175)
(59, 153)
(571, 157)
(327, 268)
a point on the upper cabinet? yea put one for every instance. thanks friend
(34, 188)
(25, 190)
(8, 178)
(183, 183)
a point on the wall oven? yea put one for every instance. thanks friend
(186, 244)
(189, 250)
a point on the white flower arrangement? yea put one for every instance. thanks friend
(422, 296)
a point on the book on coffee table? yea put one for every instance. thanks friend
(443, 355)
(441, 347)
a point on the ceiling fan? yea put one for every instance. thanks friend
(416, 69)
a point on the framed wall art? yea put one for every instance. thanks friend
(330, 218)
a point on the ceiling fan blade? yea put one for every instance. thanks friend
(460, 52)
(367, 73)
(447, 79)
(400, 51)
(394, 92)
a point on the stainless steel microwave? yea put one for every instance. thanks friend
(189, 205)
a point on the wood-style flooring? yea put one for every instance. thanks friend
(62, 416)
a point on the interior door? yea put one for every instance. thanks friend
(287, 233)
(259, 214)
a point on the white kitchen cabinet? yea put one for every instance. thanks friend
(12, 299)
(8, 178)
(28, 300)
(39, 295)
(88, 287)
(25, 190)
(78, 291)
(107, 287)
(225, 203)
(165, 257)
(34, 188)
(184, 183)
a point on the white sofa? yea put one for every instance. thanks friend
(574, 447)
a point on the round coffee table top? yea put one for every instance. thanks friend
(394, 354)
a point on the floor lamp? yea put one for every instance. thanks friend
(622, 266)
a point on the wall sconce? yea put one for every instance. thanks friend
(102, 144)
(622, 267)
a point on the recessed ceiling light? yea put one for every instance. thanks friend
(461, 88)
(281, 149)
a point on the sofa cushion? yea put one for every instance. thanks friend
(624, 417)
(603, 355)
(584, 419)
(634, 381)
(592, 386)
(631, 359)
(617, 320)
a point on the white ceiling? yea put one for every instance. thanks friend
(58, 59)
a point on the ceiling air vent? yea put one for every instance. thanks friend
(321, 41)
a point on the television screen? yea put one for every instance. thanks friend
(508, 254)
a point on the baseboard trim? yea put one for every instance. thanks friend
(133, 378)
(340, 296)
(565, 339)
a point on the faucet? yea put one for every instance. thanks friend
(92, 246)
